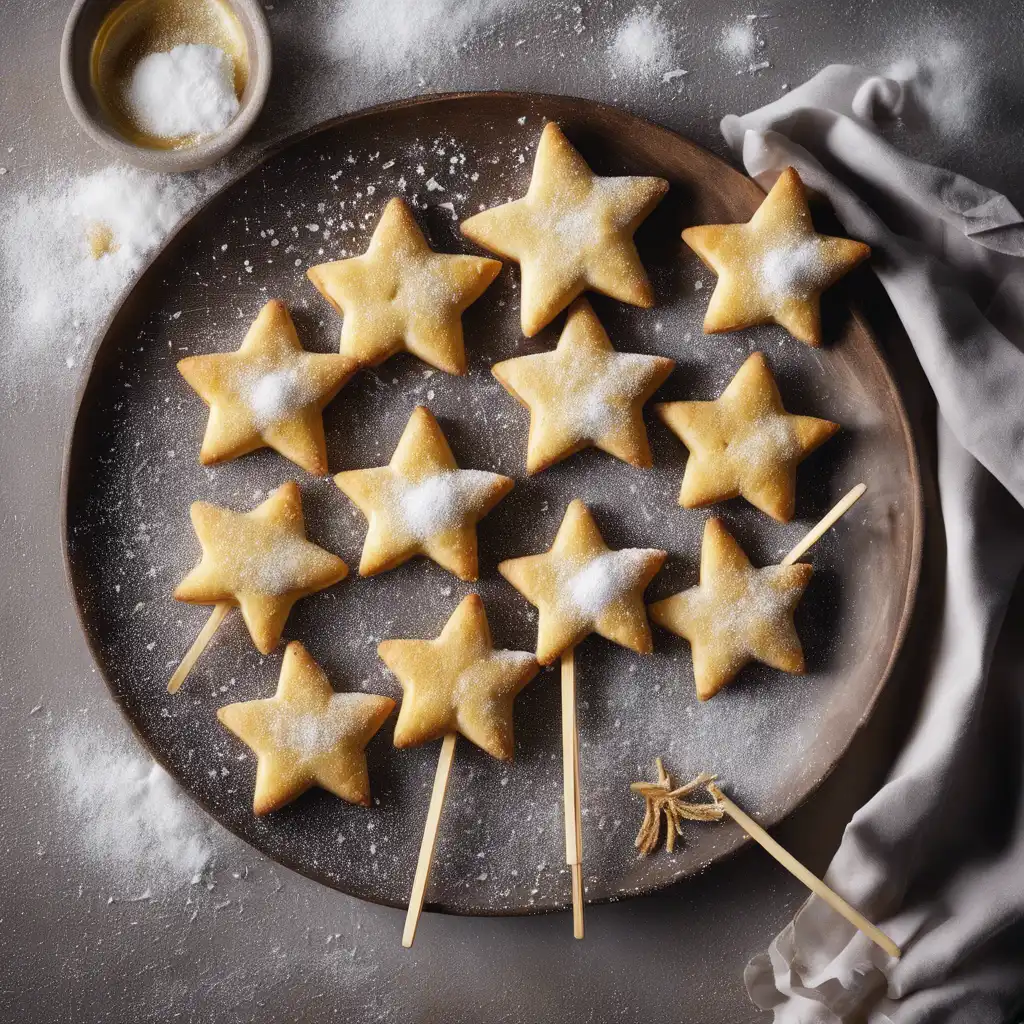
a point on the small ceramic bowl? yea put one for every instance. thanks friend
(101, 35)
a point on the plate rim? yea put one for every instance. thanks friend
(733, 837)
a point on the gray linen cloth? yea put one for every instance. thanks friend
(936, 857)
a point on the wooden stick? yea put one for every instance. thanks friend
(571, 789)
(815, 884)
(419, 882)
(828, 520)
(198, 646)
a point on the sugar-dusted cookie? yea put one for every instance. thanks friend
(775, 267)
(458, 682)
(737, 614)
(744, 443)
(270, 393)
(584, 393)
(259, 561)
(580, 586)
(421, 503)
(401, 296)
(307, 735)
(572, 231)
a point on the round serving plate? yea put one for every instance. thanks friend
(131, 472)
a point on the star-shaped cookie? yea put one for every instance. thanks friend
(401, 296)
(744, 443)
(270, 393)
(421, 503)
(458, 683)
(584, 393)
(737, 614)
(259, 561)
(775, 267)
(307, 735)
(572, 231)
(580, 586)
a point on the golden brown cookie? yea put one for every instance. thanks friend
(307, 735)
(259, 561)
(584, 394)
(421, 503)
(744, 443)
(401, 296)
(270, 393)
(737, 614)
(774, 268)
(572, 231)
(580, 586)
(458, 683)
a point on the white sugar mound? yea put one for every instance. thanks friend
(129, 817)
(188, 91)
(605, 579)
(56, 283)
(276, 396)
(392, 35)
(643, 43)
(440, 502)
(739, 40)
(792, 271)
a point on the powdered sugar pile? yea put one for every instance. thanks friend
(598, 401)
(794, 270)
(129, 815)
(440, 502)
(770, 442)
(67, 250)
(275, 396)
(395, 36)
(644, 44)
(605, 579)
(188, 91)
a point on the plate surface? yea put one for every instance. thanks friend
(132, 471)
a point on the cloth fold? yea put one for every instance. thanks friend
(936, 857)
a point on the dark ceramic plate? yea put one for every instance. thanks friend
(132, 471)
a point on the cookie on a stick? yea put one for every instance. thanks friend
(455, 683)
(580, 586)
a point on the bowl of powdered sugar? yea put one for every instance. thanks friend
(169, 85)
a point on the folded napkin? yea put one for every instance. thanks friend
(936, 857)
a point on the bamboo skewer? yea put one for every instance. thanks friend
(791, 864)
(426, 857)
(571, 789)
(198, 646)
(841, 507)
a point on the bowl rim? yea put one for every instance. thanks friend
(189, 158)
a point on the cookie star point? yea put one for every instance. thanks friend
(270, 393)
(401, 296)
(744, 443)
(259, 561)
(736, 614)
(774, 267)
(584, 394)
(307, 735)
(581, 586)
(571, 232)
(421, 503)
(457, 682)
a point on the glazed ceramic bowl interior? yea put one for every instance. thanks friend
(103, 41)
